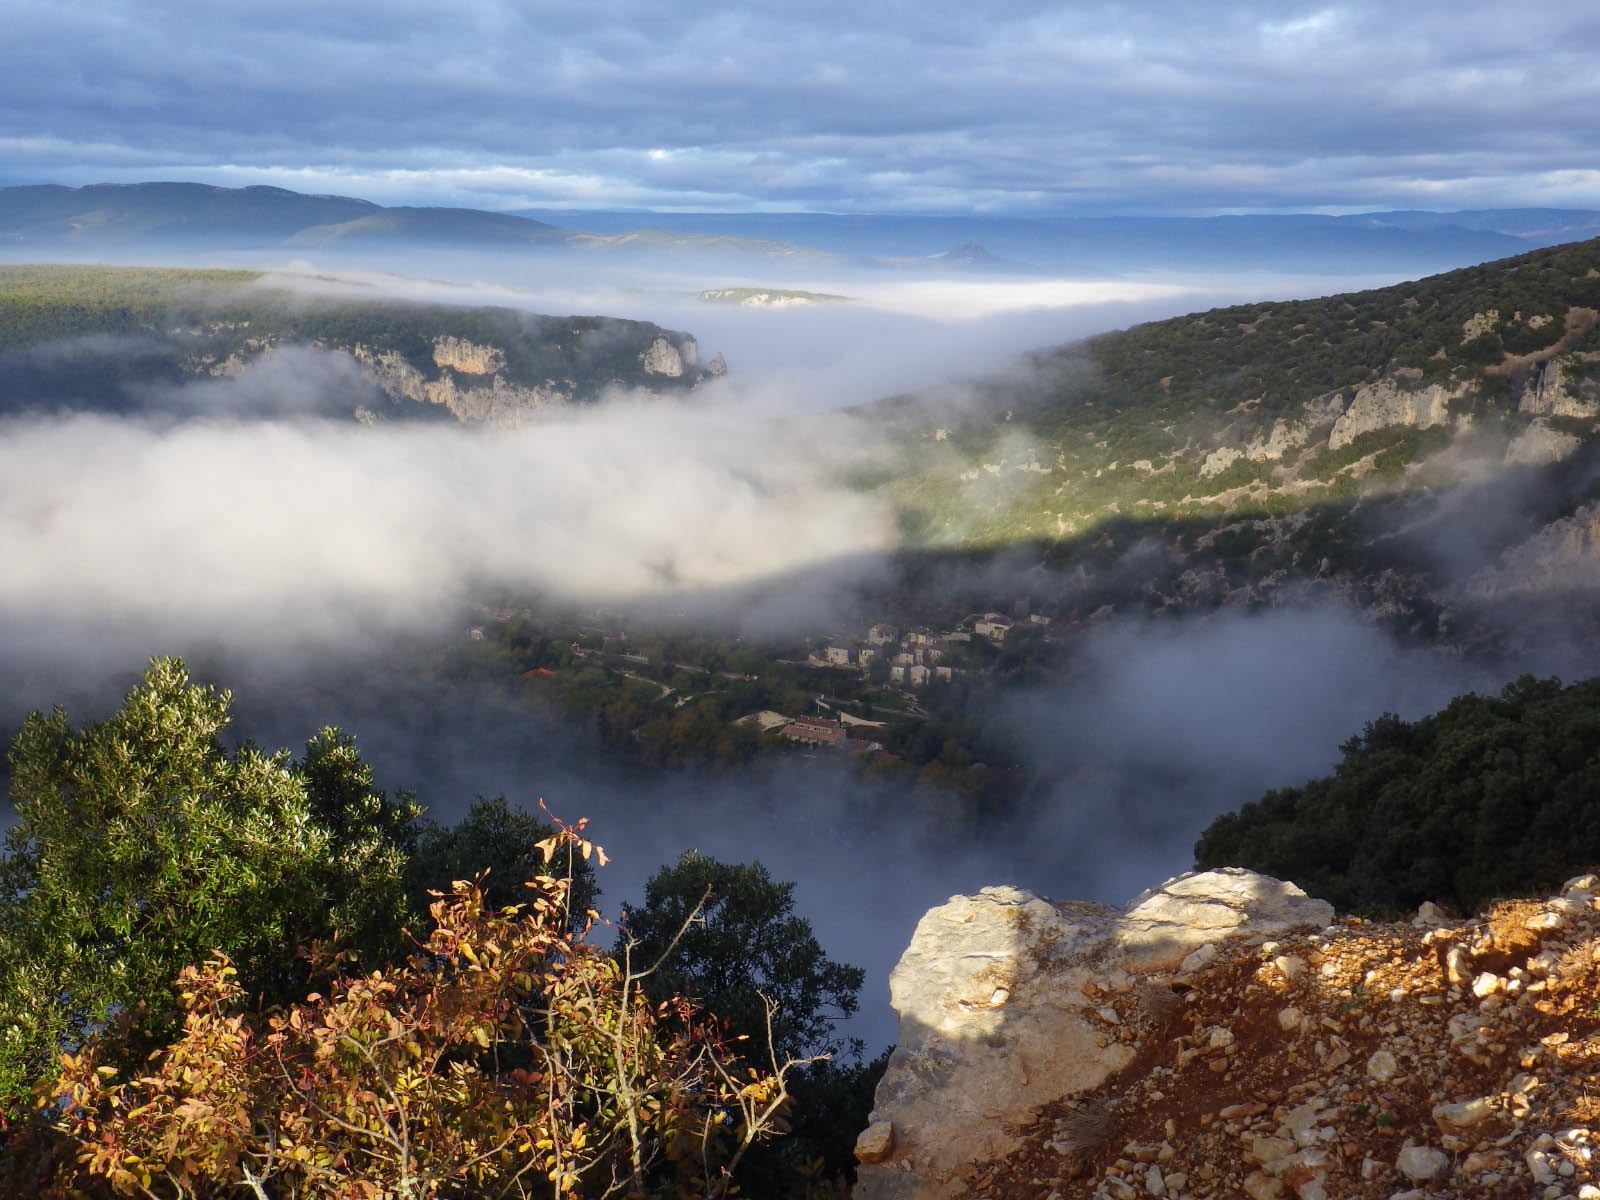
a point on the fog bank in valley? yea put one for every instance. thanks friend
(287, 553)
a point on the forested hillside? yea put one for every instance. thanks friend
(1269, 407)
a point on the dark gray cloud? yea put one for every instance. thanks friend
(935, 106)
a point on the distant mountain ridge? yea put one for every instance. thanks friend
(260, 218)
(167, 214)
(1383, 241)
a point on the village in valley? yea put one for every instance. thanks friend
(895, 698)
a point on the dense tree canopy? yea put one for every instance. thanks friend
(1492, 796)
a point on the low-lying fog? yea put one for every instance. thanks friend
(282, 551)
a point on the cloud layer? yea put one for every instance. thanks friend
(1017, 106)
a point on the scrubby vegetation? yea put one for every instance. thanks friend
(1279, 354)
(1492, 796)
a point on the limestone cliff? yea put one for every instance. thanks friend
(1389, 402)
(1225, 1036)
(1568, 385)
(473, 401)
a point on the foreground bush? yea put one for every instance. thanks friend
(506, 1056)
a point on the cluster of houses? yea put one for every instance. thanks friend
(917, 657)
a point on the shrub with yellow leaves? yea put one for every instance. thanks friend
(506, 1056)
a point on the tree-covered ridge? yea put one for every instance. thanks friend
(1280, 354)
(42, 303)
(171, 325)
(1492, 796)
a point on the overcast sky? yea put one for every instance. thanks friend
(942, 106)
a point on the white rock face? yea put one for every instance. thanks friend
(661, 357)
(999, 997)
(469, 358)
(1284, 437)
(1539, 443)
(1386, 403)
(1220, 460)
(490, 402)
(1569, 386)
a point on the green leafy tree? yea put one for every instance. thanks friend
(141, 845)
(745, 944)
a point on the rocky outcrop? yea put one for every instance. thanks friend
(1428, 1058)
(1540, 443)
(1284, 436)
(1479, 324)
(458, 354)
(1563, 556)
(1568, 385)
(1008, 1002)
(492, 402)
(1390, 402)
(661, 357)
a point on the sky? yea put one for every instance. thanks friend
(938, 106)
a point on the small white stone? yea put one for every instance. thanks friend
(1486, 984)
(1422, 1164)
(1290, 965)
(1290, 1018)
(1456, 1117)
(1429, 913)
(1544, 963)
(876, 1142)
(1382, 1066)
